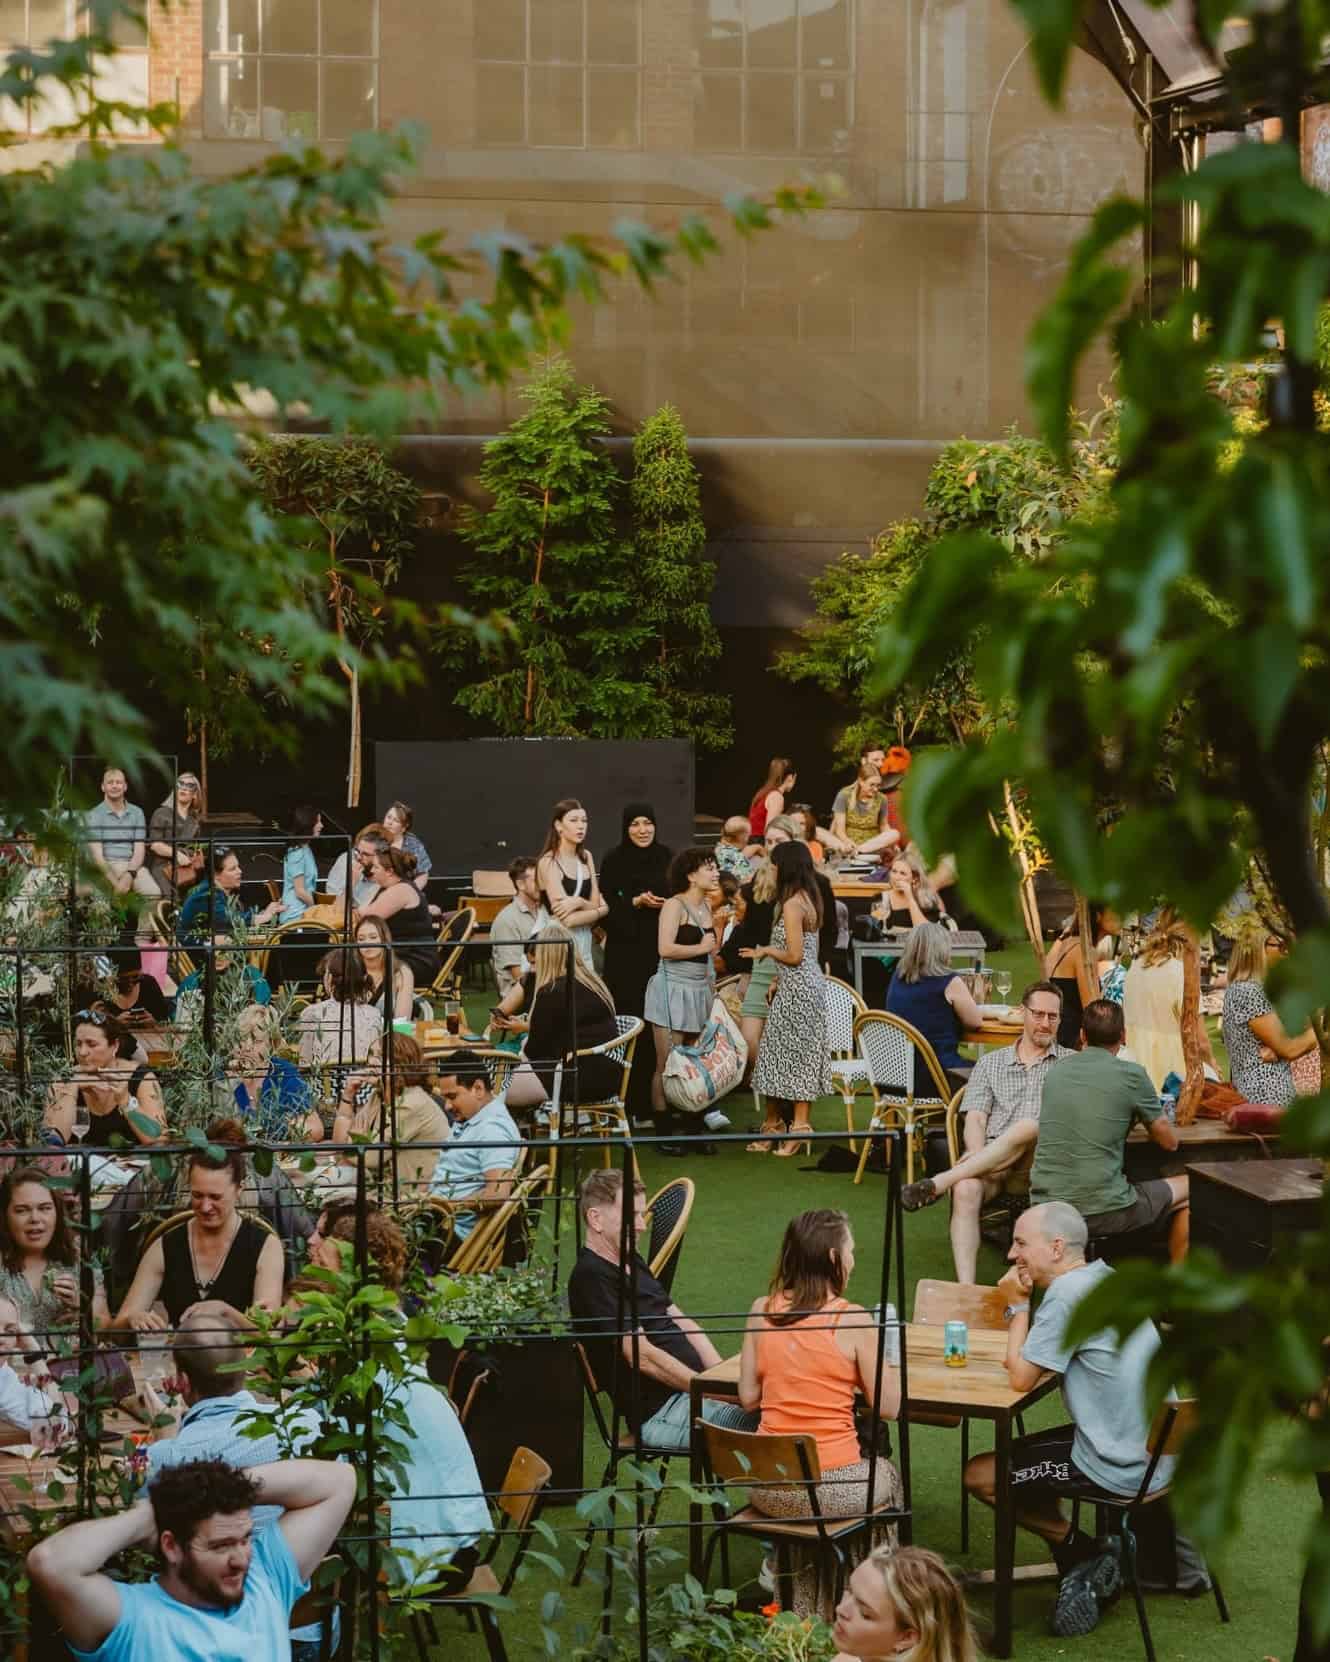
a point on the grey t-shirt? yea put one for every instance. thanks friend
(1103, 1385)
(117, 833)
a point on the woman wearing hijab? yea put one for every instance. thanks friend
(634, 881)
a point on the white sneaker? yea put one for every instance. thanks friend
(716, 1121)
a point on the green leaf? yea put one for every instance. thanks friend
(263, 1161)
(1053, 26)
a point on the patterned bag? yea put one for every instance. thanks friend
(696, 1076)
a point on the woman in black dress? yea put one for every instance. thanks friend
(634, 882)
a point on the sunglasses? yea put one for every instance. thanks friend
(93, 1018)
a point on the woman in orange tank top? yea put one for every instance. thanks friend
(806, 1352)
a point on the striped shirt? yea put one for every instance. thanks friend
(1005, 1089)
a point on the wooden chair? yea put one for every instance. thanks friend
(889, 1046)
(519, 1502)
(616, 1449)
(749, 1458)
(454, 932)
(428, 1224)
(1173, 1424)
(483, 1248)
(848, 1069)
(667, 1215)
(297, 932)
(608, 1117)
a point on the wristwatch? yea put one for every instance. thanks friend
(1015, 1310)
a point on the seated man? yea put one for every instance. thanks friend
(1001, 1107)
(521, 918)
(369, 842)
(116, 835)
(1089, 1104)
(482, 1147)
(210, 1355)
(1103, 1386)
(225, 1590)
(669, 1348)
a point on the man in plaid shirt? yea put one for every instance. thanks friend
(1001, 1107)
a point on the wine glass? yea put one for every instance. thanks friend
(1002, 985)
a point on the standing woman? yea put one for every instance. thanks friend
(792, 1063)
(172, 859)
(397, 823)
(1077, 981)
(634, 879)
(754, 930)
(680, 994)
(1152, 1002)
(567, 877)
(769, 798)
(300, 872)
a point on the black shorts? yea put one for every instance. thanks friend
(1151, 1204)
(1044, 1462)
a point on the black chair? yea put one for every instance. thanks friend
(669, 1210)
(1172, 1424)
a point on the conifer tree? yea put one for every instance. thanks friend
(554, 564)
(673, 583)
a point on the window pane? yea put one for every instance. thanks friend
(716, 120)
(770, 127)
(612, 31)
(290, 26)
(718, 33)
(56, 108)
(826, 33)
(556, 31)
(348, 28)
(290, 99)
(826, 114)
(232, 26)
(348, 98)
(500, 104)
(51, 20)
(556, 106)
(773, 34)
(128, 31)
(123, 79)
(612, 119)
(501, 30)
(231, 99)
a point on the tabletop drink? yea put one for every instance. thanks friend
(955, 1344)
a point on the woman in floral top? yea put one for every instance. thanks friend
(39, 1267)
(1259, 1050)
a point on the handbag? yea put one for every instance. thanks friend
(696, 1076)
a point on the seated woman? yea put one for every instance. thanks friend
(137, 1000)
(806, 1352)
(341, 1027)
(927, 993)
(372, 936)
(195, 921)
(903, 1603)
(217, 1253)
(39, 1260)
(803, 816)
(397, 823)
(267, 1092)
(414, 1117)
(1260, 1052)
(1152, 1002)
(174, 860)
(402, 907)
(300, 871)
(559, 1020)
(123, 1099)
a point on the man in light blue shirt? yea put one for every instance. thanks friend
(226, 1590)
(477, 1163)
(210, 1355)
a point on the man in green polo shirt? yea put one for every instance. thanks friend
(1090, 1102)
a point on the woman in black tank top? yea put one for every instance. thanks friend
(1077, 981)
(105, 1081)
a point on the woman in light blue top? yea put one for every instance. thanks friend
(300, 872)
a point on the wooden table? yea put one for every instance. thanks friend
(993, 1032)
(434, 1036)
(1202, 1140)
(1244, 1208)
(980, 1390)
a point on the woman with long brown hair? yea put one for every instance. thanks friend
(769, 797)
(806, 1352)
(39, 1260)
(567, 876)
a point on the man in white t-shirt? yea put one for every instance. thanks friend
(225, 1591)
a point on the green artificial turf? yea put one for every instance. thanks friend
(743, 1203)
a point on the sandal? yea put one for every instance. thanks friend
(767, 1136)
(795, 1143)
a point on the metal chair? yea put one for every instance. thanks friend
(1173, 1423)
(749, 1458)
(889, 1046)
(668, 1212)
(847, 1068)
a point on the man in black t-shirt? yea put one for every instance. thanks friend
(670, 1347)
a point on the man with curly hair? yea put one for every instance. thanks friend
(225, 1591)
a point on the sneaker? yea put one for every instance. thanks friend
(915, 1196)
(716, 1121)
(766, 1576)
(1085, 1593)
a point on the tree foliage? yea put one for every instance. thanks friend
(672, 584)
(145, 313)
(1173, 655)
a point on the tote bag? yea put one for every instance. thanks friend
(696, 1076)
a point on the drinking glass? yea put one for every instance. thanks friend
(452, 1017)
(82, 1121)
(1002, 983)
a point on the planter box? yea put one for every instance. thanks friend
(533, 1396)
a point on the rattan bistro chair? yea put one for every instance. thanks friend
(667, 1215)
(847, 1068)
(888, 1047)
(486, 1246)
(608, 1118)
(455, 931)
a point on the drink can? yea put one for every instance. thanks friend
(955, 1344)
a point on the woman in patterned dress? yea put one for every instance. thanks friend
(792, 1063)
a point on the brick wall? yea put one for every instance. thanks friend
(176, 59)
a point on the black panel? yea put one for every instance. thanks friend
(480, 802)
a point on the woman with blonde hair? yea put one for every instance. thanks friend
(1260, 1052)
(903, 1604)
(1152, 1001)
(562, 1019)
